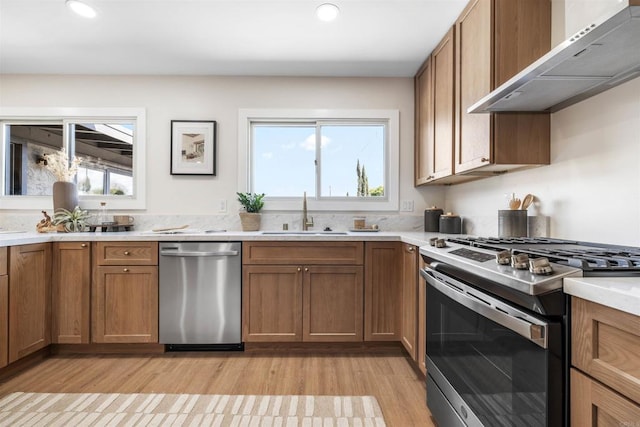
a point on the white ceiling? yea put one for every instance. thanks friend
(222, 37)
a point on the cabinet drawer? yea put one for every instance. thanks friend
(606, 346)
(126, 253)
(3, 261)
(307, 253)
(593, 404)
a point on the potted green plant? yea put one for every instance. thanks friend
(70, 221)
(250, 217)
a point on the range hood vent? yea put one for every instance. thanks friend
(597, 58)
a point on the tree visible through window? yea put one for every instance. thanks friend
(322, 158)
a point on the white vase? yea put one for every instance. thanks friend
(65, 196)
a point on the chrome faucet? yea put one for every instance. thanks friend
(306, 223)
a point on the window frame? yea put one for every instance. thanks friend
(389, 202)
(25, 115)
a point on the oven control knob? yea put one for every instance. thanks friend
(433, 240)
(441, 243)
(520, 261)
(503, 257)
(540, 266)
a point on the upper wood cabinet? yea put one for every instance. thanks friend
(495, 39)
(435, 113)
(491, 41)
(29, 299)
(71, 288)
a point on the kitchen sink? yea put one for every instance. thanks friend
(305, 233)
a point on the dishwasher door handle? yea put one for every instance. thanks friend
(200, 254)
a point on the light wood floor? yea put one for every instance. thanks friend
(386, 375)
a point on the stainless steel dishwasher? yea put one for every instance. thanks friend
(200, 295)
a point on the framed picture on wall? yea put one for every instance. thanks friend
(193, 147)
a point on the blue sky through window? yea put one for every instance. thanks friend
(284, 158)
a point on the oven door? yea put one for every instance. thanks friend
(488, 362)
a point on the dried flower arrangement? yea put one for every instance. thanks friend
(58, 164)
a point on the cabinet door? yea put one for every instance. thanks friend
(71, 286)
(424, 138)
(271, 303)
(382, 291)
(422, 321)
(409, 299)
(125, 304)
(29, 299)
(606, 345)
(443, 97)
(473, 81)
(332, 303)
(4, 320)
(593, 404)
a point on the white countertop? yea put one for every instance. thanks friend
(621, 293)
(21, 238)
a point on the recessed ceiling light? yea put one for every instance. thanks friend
(327, 12)
(81, 8)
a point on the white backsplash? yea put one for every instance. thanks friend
(478, 226)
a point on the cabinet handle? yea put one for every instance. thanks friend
(299, 269)
(306, 269)
(126, 252)
(411, 249)
(84, 245)
(126, 270)
(430, 177)
(484, 160)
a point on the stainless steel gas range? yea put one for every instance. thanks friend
(497, 326)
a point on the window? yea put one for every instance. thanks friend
(109, 142)
(343, 160)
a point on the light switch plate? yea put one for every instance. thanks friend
(222, 207)
(406, 206)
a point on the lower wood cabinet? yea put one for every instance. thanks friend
(71, 288)
(332, 303)
(410, 299)
(124, 300)
(421, 357)
(4, 309)
(29, 299)
(382, 291)
(271, 303)
(605, 354)
(320, 300)
(595, 405)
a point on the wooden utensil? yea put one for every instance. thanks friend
(160, 230)
(526, 202)
(514, 204)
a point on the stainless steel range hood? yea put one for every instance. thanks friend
(599, 57)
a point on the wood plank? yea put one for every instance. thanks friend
(386, 375)
(4, 257)
(4, 320)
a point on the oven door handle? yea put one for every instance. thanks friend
(533, 329)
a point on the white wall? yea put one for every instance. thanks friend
(218, 98)
(591, 190)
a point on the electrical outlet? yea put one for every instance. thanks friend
(222, 207)
(406, 206)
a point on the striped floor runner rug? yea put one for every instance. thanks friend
(100, 409)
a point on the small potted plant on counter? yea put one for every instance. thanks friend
(250, 217)
(70, 221)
